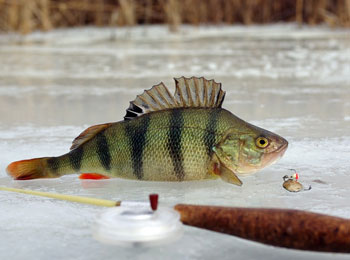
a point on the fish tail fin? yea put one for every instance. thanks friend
(30, 169)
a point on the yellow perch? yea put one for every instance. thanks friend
(163, 137)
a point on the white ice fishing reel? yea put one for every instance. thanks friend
(136, 223)
(126, 223)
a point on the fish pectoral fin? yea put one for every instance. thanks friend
(229, 176)
(218, 168)
(92, 176)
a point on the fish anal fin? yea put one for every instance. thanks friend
(92, 176)
(87, 134)
(190, 92)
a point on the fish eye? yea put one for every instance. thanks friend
(261, 142)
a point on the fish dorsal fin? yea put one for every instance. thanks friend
(154, 99)
(198, 92)
(87, 134)
(190, 92)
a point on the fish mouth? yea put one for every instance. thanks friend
(282, 148)
(273, 156)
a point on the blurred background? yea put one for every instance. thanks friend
(67, 65)
(25, 16)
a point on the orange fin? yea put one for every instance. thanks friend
(92, 176)
(28, 169)
(87, 134)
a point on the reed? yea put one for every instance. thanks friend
(25, 16)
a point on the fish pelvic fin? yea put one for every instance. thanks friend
(190, 92)
(30, 169)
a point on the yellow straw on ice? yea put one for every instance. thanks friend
(79, 199)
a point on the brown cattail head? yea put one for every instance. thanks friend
(278, 227)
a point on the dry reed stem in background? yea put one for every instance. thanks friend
(26, 16)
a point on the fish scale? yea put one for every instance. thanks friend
(183, 137)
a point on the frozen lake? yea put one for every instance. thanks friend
(295, 82)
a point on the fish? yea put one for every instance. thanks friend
(182, 137)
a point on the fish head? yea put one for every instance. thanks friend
(249, 151)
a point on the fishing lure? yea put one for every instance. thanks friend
(292, 184)
(188, 136)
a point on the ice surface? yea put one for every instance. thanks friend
(52, 86)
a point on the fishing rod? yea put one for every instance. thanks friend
(72, 198)
(294, 229)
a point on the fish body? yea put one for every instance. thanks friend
(165, 138)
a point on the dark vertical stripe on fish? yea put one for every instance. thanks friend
(210, 130)
(75, 158)
(137, 140)
(103, 151)
(53, 163)
(174, 142)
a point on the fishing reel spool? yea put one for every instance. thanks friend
(138, 224)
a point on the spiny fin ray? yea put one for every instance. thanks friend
(190, 92)
(154, 99)
(198, 92)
